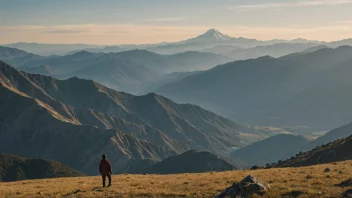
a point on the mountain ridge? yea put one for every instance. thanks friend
(202, 41)
(336, 151)
(57, 109)
(269, 150)
(190, 162)
(129, 71)
(14, 168)
(241, 84)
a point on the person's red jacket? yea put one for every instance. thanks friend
(105, 167)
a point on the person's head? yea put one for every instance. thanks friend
(104, 156)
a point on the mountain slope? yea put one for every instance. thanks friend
(122, 75)
(38, 130)
(188, 123)
(315, 48)
(133, 128)
(304, 89)
(339, 150)
(12, 53)
(274, 50)
(221, 49)
(193, 60)
(13, 168)
(61, 64)
(172, 48)
(168, 78)
(190, 162)
(331, 136)
(269, 150)
(16, 56)
(340, 43)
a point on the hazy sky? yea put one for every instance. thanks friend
(151, 21)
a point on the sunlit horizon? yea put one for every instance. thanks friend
(147, 36)
(139, 22)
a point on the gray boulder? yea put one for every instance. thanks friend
(248, 186)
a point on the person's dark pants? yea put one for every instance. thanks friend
(104, 178)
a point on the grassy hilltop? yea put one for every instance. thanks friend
(311, 181)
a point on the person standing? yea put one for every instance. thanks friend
(105, 169)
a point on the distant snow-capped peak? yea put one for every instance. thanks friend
(215, 34)
(211, 36)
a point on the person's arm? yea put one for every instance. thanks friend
(110, 168)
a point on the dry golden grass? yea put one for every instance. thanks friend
(282, 181)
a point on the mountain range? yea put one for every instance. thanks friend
(130, 71)
(16, 56)
(138, 69)
(300, 89)
(73, 121)
(49, 49)
(208, 40)
(274, 50)
(13, 168)
(63, 105)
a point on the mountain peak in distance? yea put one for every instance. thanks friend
(209, 36)
(215, 34)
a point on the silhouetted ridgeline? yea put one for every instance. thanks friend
(13, 168)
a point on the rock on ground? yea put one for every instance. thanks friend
(248, 186)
